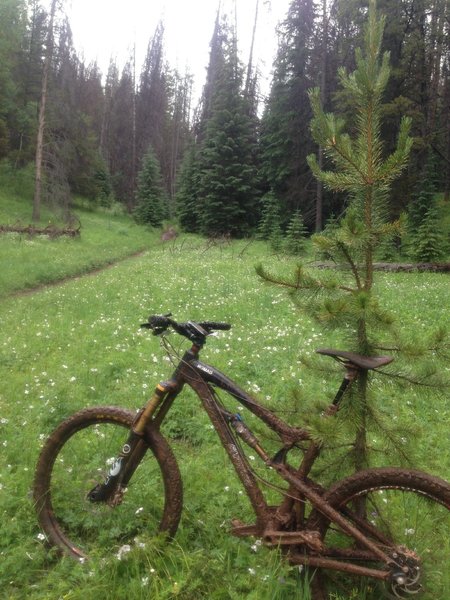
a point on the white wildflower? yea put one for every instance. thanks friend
(122, 551)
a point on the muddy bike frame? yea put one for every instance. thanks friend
(273, 524)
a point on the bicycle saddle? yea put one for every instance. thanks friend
(363, 362)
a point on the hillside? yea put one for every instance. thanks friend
(106, 236)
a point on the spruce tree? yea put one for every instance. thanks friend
(426, 241)
(186, 196)
(150, 207)
(429, 243)
(296, 232)
(285, 134)
(120, 140)
(228, 182)
(347, 301)
(269, 227)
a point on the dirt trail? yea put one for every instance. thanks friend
(89, 273)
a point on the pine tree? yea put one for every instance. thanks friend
(119, 141)
(150, 207)
(348, 302)
(186, 197)
(285, 134)
(269, 227)
(424, 196)
(36, 215)
(152, 101)
(270, 223)
(228, 182)
(429, 243)
(426, 240)
(104, 190)
(296, 232)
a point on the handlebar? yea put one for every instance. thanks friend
(195, 332)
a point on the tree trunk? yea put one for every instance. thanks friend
(250, 58)
(323, 82)
(41, 124)
(437, 39)
(360, 447)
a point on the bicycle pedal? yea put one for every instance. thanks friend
(240, 529)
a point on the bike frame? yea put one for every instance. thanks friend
(269, 520)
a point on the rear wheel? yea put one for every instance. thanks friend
(78, 456)
(407, 513)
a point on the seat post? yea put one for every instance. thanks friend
(351, 372)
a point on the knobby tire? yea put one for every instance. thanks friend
(410, 508)
(76, 457)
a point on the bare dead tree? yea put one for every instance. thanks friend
(41, 123)
(250, 58)
(323, 83)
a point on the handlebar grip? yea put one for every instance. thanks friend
(159, 320)
(158, 323)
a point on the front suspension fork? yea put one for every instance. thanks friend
(132, 452)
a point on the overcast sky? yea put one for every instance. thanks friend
(105, 28)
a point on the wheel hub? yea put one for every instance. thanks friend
(405, 574)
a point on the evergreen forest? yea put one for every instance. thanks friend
(232, 163)
(349, 146)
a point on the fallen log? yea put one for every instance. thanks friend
(430, 267)
(50, 230)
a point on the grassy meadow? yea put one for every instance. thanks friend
(28, 262)
(78, 344)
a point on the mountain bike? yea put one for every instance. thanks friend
(107, 474)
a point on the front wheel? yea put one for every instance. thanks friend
(407, 513)
(77, 457)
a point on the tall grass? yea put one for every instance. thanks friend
(78, 344)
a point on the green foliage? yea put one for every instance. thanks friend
(150, 208)
(12, 30)
(219, 189)
(347, 301)
(269, 227)
(17, 185)
(424, 197)
(4, 139)
(79, 344)
(426, 240)
(187, 204)
(104, 191)
(429, 243)
(363, 172)
(285, 135)
(295, 238)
